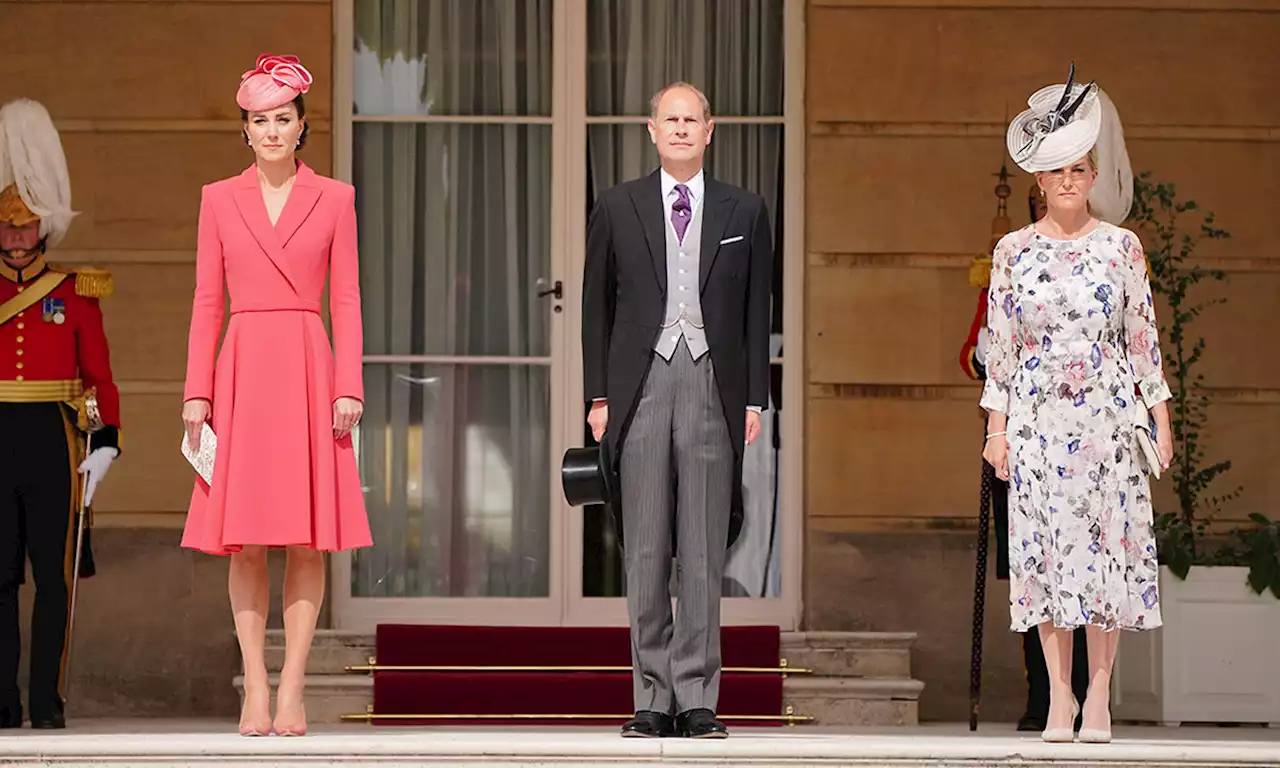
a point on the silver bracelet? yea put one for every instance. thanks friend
(996, 434)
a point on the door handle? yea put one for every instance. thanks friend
(556, 290)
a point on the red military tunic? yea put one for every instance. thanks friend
(56, 348)
(969, 362)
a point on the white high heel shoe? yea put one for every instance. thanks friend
(1095, 735)
(1063, 735)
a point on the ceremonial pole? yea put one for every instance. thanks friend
(974, 366)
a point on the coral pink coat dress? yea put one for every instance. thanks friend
(280, 477)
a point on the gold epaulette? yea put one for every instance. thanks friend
(93, 282)
(980, 271)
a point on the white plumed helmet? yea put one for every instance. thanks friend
(31, 159)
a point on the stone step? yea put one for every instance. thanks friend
(828, 654)
(850, 654)
(830, 701)
(332, 651)
(857, 679)
(158, 745)
(854, 701)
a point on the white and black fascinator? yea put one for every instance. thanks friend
(1063, 123)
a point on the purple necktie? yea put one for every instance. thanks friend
(681, 212)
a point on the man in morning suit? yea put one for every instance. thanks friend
(675, 340)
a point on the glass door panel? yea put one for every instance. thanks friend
(451, 149)
(454, 460)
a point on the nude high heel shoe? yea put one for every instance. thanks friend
(250, 727)
(1063, 735)
(1096, 735)
(283, 726)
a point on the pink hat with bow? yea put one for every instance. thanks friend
(273, 82)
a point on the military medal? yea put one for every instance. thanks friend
(54, 311)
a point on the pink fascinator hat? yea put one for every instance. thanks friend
(273, 82)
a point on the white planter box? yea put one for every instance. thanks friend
(1215, 660)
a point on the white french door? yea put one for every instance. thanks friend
(476, 133)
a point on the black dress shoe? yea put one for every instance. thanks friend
(700, 724)
(1030, 722)
(47, 712)
(648, 724)
(11, 716)
(53, 721)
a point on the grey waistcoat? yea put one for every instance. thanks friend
(683, 316)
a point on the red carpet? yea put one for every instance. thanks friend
(594, 697)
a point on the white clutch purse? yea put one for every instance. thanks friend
(1144, 434)
(202, 459)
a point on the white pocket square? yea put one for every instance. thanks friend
(728, 240)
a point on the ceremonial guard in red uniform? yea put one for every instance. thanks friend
(59, 411)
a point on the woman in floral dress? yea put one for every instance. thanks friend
(1073, 365)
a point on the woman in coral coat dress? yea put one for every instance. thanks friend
(281, 403)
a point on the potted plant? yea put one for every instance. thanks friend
(1220, 599)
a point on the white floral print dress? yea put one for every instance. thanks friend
(1071, 331)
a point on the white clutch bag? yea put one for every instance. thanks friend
(202, 459)
(1145, 435)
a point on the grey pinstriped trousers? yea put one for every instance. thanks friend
(679, 428)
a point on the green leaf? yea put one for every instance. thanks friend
(1262, 571)
(1259, 518)
(1180, 562)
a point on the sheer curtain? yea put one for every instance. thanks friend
(454, 241)
(732, 50)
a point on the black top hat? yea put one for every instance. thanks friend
(587, 475)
